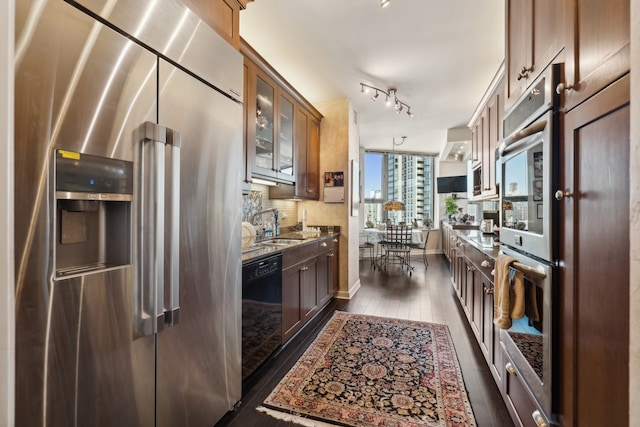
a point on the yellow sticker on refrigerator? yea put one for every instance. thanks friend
(69, 154)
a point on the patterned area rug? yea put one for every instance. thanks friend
(374, 371)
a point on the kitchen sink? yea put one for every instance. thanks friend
(251, 249)
(281, 242)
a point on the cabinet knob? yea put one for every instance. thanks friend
(563, 194)
(561, 87)
(524, 73)
(323, 244)
(305, 268)
(488, 291)
(485, 263)
(330, 254)
(510, 369)
(539, 419)
(335, 240)
(471, 268)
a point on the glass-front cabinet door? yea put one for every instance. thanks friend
(264, 128)
(269, 128)
(285, 137)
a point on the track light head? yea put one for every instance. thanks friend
(390, 98)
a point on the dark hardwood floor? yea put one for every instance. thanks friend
(426, 296)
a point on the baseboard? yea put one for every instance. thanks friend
(352, 291)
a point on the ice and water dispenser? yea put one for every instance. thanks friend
(93, 197)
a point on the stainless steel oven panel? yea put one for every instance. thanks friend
(537, 238)
(532, 104)
(540, 390)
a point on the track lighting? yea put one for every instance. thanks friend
(384, 3)
(390, 98)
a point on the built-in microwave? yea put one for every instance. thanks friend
(528, 172)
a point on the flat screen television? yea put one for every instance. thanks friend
(452, 184)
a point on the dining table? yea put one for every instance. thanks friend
(376, 236)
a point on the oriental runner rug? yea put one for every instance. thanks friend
(374, 371)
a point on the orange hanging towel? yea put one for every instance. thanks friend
(508, 295)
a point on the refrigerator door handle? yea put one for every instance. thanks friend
(172, 310)
(150, 159)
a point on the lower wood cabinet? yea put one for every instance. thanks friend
(594, 325)
(327, 270)
(309, 278)
(519, 403)
(299, 267)
(476, 298)
(472, 280)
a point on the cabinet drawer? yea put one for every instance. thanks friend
(327, 244)
(299, 254)
(483, 262)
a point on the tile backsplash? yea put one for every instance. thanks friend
(258, 200)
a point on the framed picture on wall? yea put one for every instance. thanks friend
(334, 187)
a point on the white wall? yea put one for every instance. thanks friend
(7, 315)
(445, 168)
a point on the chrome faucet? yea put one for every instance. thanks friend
(261, 231)
(253, 217)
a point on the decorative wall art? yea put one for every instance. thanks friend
(334, 187)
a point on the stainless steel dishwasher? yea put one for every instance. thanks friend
(261, 312)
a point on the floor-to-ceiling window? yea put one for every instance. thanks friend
(405, 177)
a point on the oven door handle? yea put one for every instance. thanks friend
(510, 143)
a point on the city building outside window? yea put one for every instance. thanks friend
(406, 177)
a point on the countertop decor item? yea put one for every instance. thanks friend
(248, 235)
(371, 371)
(450, 205)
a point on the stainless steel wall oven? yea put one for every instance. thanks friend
(528, 175)
(529, 169)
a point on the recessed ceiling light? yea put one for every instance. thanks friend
(384, 3)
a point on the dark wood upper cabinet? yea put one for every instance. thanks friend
(597, 47)
(486, 134)
(221, 15)
(534, 39)
(282, 132)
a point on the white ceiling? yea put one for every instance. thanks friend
(440, 55)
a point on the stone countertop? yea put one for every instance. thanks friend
(481, 241)
(462, 225)
(258, 250)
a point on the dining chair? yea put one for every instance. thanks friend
(366, 245)
(397, 247)
(423, 247)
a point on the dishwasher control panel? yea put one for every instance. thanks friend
(261, 267)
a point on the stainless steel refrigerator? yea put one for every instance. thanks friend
(128, 159)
